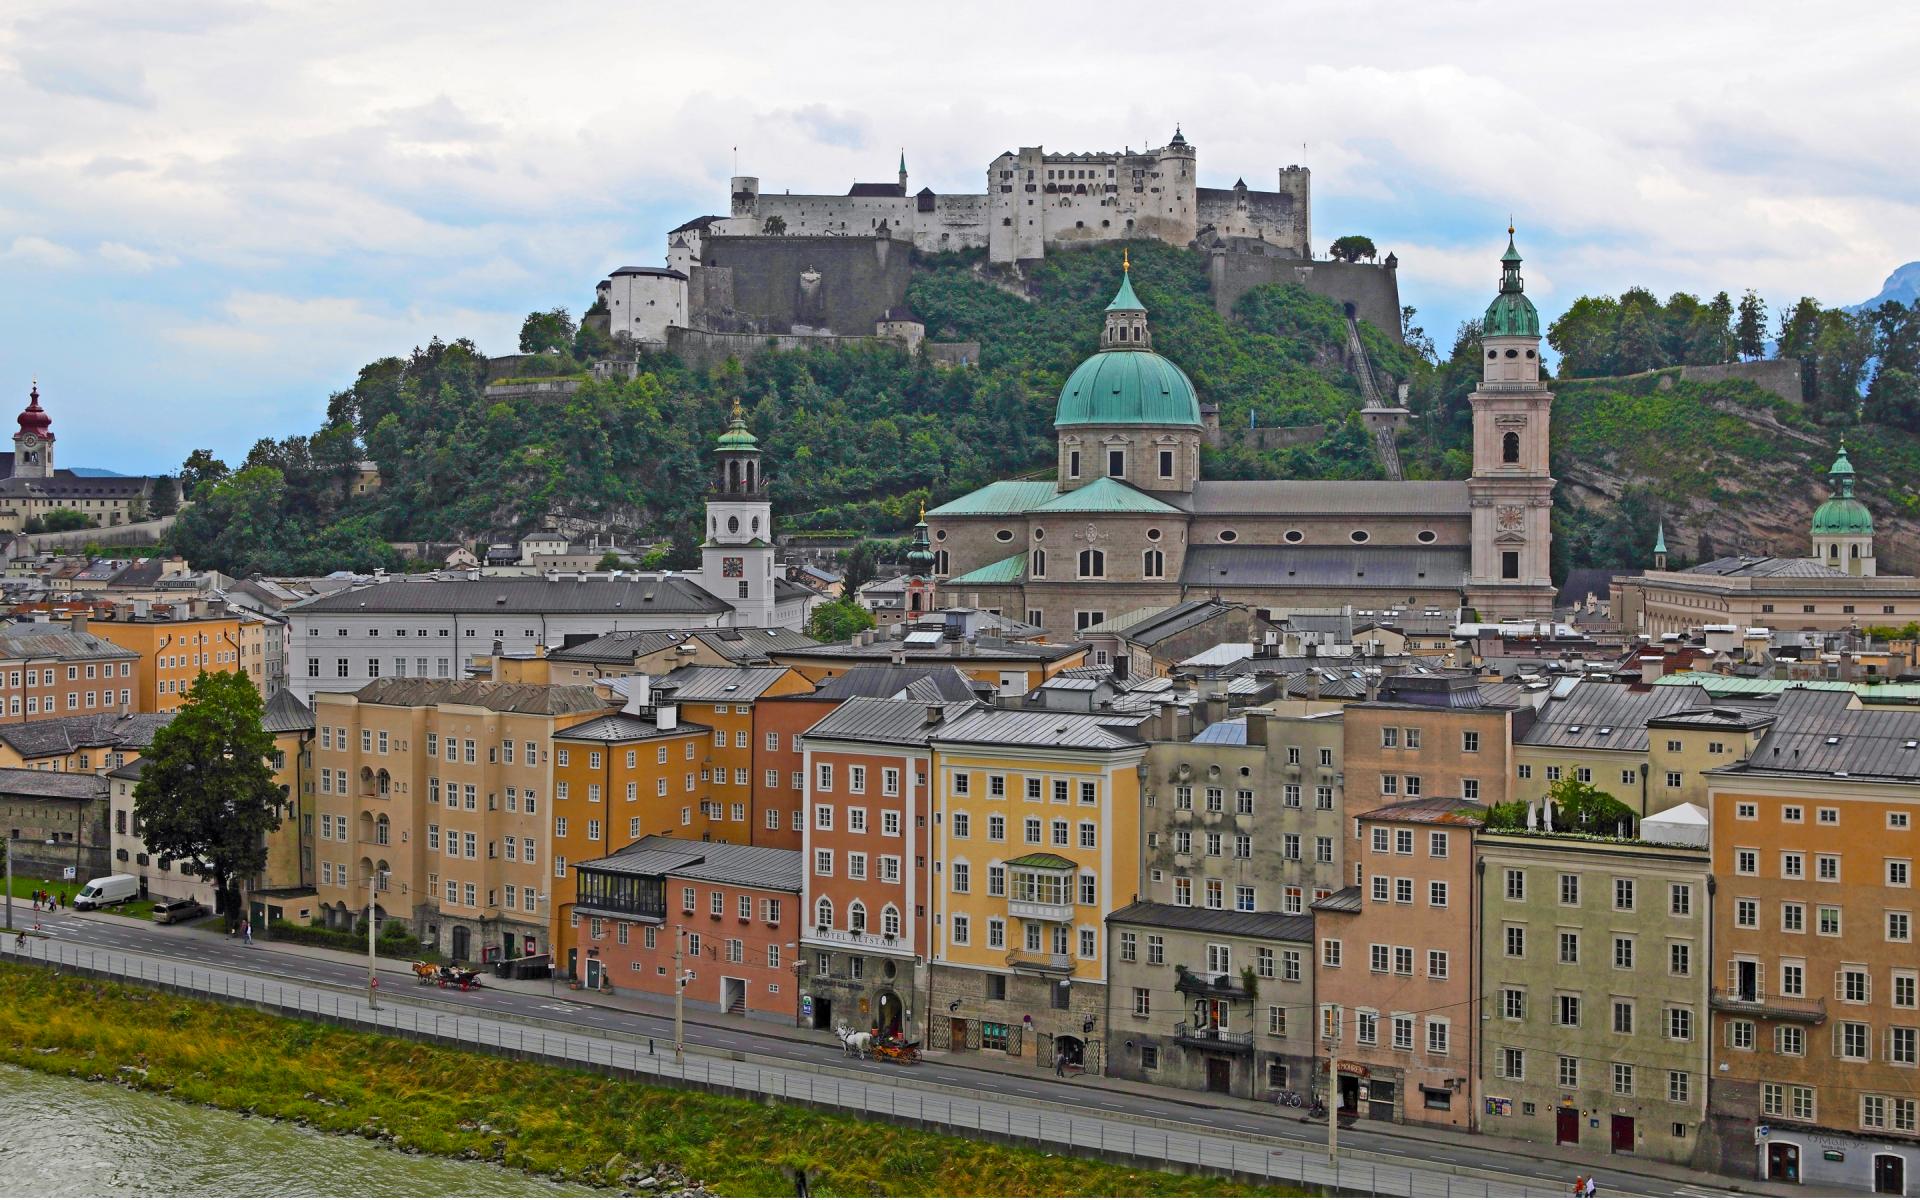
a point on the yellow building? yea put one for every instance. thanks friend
(440, 792)
(1648, 747)
(1036, 840)
(175, 643)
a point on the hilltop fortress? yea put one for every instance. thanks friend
(1036, 201)
(783, 270)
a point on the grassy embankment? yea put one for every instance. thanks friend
(531, 1117)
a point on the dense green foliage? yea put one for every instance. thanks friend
(838, 620)
(1599, 335)
(1353, 247)
(855, 438)
(207, 798)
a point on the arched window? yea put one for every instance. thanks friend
(1833, 549)
(1153, 564)
(890, 921)
(1853, 551)
(857, 917)
(1093, 564)
(1510, 447)
(384, 783)
(823, 913)
(382, 831)
(939, 562)
(1039, 564)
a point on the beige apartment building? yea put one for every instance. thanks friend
(440, 792)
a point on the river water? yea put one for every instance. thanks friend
(66, 1137)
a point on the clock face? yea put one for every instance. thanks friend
(733, 568)
(29, 440)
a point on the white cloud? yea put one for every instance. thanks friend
(39, 251)
(132, 258)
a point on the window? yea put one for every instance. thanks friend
(1569, 1071)
(1852, 1040)
(1566, 1011)
(1680, 899)
(1680, 1024)
(1093, 564)
(1623, 1079)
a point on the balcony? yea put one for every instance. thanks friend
(1040, 910)
(1183, 816)
(1038, 960)
(1209, 983)
(1757, 1004)
(1212, 1037)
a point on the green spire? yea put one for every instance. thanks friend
(1842, 472)
(737, 436)
(1660, 540)
(1124, 300)
(920, 557)
(903, 160)
(1511, 314)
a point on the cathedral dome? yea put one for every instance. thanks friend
(1127, 387)
(1511, 314)
(1842, 514)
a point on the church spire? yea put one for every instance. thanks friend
(1660, 548)
(1126, 316)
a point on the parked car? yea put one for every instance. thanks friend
(172, 912)
(107, 890)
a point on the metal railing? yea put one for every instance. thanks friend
(1149, 1141)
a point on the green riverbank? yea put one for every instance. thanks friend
(565, 1124)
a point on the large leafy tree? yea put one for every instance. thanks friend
(838, 620)
(166, 497)
(1750, 326)
(1353, 247)
(200, 469)
(546, 332)
(206, 797)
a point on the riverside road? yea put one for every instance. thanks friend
(939, 1091)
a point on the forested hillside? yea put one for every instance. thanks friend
(856, 438)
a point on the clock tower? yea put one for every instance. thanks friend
(33, 442)
(1511, 492)
(736, 560)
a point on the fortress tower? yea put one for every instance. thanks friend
(1511, 491)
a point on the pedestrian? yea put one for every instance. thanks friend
(1060, 1063)
(1579, 1185)
(1593, 1187)
(246, 933)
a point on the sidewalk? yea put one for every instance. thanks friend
(1577, 1160)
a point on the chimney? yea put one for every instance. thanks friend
(1313, 685)
(79, 622)
(1257, 726)
(666, 716)
(499, 647)
(1652, 667)
(898, 658)
(1373, 684)
(935, 714)
(639, 692)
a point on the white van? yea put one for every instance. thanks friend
(108, 889)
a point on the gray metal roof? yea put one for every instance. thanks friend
(1009, 727)
(51, 785)
(1178, 619)
(1223, 733)
(1819, 732)
(1400, 568)
(645, 594)
(877, 680)
(538, 699)
(286, 714)
(712, 862)
(1270, 926)
(621, 648)
(884, 650)
(1347, 899)
(1597, 715)
(625, 727)
(1756, 567)
(57, 642)
(90, 731)
(894, 722)
(712, 685)
(1328, 497)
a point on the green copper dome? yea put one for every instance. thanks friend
(737, 436)
(1842, 514)
(1127, 387)
(920, 557)
(1511, 314)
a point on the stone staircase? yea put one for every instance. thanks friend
(1383, 440)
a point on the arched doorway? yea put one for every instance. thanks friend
(1783, 1161)
(462, 942)
(1889, 1175)
(1071, 1049)
(888, 1015)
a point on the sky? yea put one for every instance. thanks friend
(213, 213)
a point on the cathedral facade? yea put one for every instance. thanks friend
(1127, 522)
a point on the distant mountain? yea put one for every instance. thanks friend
(1902, 286)
(97, 473)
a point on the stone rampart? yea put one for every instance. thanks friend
(1373, 291)
(780, 285)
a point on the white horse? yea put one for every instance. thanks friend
(855, 1045)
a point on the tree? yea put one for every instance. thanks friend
(1414, 336)
(858, 570)
(200, 468)
(1586, 335)
(206, 796)
(61, 520)
(610, 561)
(1583, 807)
(774, 226)
(1750, 326)
(546, 332)
(838, 620)
(1894, 399)
(166, 497)
(1353, 247)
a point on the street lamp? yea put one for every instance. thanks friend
(680, 979)
(373, 932)
(1330, 1034)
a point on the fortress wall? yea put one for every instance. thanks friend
(860, 279)
(956, 223)
(1781, 376)
(845, 216)
(703, 349)
(1373, 290)
(1267, 216)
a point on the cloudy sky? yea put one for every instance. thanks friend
(211, 213)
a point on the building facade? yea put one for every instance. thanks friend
(175, 643)
(49, 669)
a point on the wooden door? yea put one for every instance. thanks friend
(1622, 1135)
(1566, 1127)
(1220, 1075)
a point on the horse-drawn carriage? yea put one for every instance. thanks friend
(887, 1046)
(897, 1050)
(445, 975)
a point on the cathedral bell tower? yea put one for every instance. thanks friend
(736, 561)
(1511, 492)
(920, 581)
(33, 442)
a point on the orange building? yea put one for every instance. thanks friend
(175, 643)
(1396, 988)
(779, 766)
(726, 699)
(732, 913)
(1816, 1006)
(867, 886)
(618, 778)
(49, 670)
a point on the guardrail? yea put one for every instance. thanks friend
(1141, 1144)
